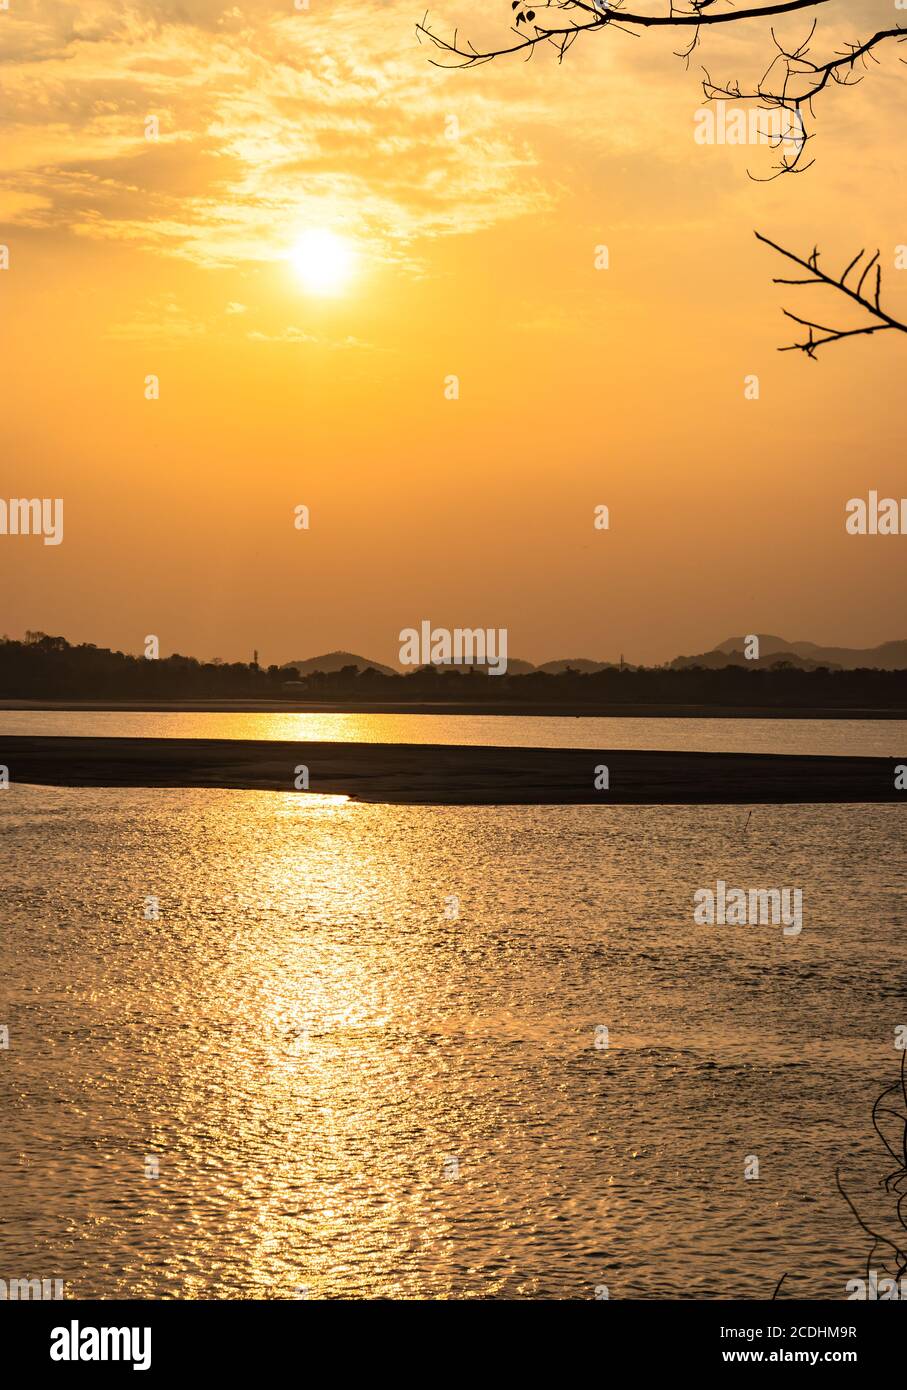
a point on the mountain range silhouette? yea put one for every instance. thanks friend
(887, 656)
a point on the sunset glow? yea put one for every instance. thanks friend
(281, 203)
(323, 261)
(453, 676)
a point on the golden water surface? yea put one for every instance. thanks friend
(351, 1085)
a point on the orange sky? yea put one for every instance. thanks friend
(474, 256)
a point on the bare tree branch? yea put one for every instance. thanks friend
(792, 81)
(880, 320)
(597, 15)
(790, 84)
(894, 1245)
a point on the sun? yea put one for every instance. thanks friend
(323, 261)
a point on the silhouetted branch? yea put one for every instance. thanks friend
(792, 81)
(895, 1182)
(597, 15)
(882, 321)
(594, 16)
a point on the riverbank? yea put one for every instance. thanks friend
(576, 710)
(448, 774)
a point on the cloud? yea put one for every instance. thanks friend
(291, 334)
(264, 124)
(272, 119)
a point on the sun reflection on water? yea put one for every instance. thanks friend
(311, 1048)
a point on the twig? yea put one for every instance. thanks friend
(792, 81)
(882, 321)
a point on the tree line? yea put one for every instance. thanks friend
(49, 668)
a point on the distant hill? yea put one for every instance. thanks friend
(335, 661)
(806, 656)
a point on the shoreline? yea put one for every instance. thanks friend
(631, 711)
(446, 774)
